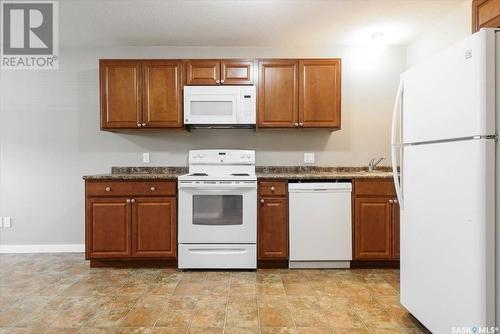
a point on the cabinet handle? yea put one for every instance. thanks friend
(391, 201)
(152, 188)
(273, 189)
(262, 200)
(222, 81)
(301, 124)
(132, 200)
(143, 124)
(217, 81)
(108, 189)
(296, 124)
(139, 125)
(128, 200)
(396, 201)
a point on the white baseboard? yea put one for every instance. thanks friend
(57, 248)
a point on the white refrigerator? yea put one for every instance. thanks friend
(444, 142)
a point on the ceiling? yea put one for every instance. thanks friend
(256, 23)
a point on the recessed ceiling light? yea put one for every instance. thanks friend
(377, 34)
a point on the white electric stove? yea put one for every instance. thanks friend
(218, 210)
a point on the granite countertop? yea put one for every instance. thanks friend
(267, 172)
(140, 173)
(321, 173)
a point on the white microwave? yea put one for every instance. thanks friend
(219, 105)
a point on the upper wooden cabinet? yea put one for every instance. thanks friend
(141, 94)
(278, 93)
(162, 100)
(120, 89)
(299, 93)
(203, 72)
(291, 93)
(485, 14)
(236, 72)
(319, 93)
(219, 72)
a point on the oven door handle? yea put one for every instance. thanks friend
(222, 187)
(219, 251)
(208, 192)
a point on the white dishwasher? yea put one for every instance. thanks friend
(320, 225)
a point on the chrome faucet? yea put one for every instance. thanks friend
(373, 163)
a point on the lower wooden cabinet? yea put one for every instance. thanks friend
(154, 230)
(395, 244)
(131, 224)
(108, 228)
(376, 221)
(272, 238)
(373, 227)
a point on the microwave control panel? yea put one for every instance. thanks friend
(247, 107)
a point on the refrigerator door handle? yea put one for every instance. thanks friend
(396, 146)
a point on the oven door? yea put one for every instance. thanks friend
(210, 105)
(218, 212)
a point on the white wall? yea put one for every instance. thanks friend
(452, 27)
(49, 132)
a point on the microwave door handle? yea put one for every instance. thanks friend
(236, 108)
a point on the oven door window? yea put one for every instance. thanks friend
(218, 210)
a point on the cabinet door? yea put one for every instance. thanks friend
(154, 227)
(485, 14)
(319, 93)
(272, 241)
(236, 72)
(120, 90)
(162, 98)
(203, 72)
(277, 94)
(108, 228)
(372, 228)
(396, 232)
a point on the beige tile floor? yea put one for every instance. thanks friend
(59, 293)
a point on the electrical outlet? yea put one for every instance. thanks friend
(6, 222)
(145, 157)
(309, 158)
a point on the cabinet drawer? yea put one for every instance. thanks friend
(374, 188)
(130, 188)
(272, 188)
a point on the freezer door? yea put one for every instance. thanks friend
(447, 234)
(453, 94)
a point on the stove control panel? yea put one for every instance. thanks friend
(223, 157)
